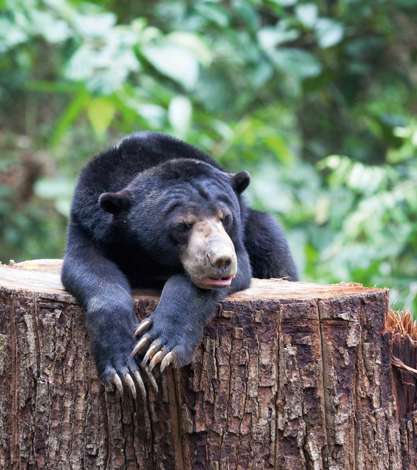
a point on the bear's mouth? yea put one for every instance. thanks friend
(210, 282)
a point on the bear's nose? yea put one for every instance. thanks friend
(221, 259)
(222, 263)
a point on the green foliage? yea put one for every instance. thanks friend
(315, 98)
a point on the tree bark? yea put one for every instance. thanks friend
(289, 376)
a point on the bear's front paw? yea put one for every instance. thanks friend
(122, 371)
(116, 366)
(166, 342)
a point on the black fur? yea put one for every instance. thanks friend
(118, 242)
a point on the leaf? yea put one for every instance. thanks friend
(328, 32)
(247, 13)
(270, 37)
(307, 13)
(215, 13)
(10, 35)
(68, 117)
(63, 206)
(193, 43)
(267, 188)
(152, 113)
(176, 62)
(322, 210)
(296, 62)
(100, 112)
(95, 25)
(51, 28)
(54, 188)
(179, 114)
(59, 190)
(284, 3)
(104, 65)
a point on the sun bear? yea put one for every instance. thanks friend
(154, 211)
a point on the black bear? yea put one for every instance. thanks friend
(155, 211)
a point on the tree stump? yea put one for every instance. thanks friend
(289, 376)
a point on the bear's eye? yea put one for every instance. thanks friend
(183, 227)
(227, 220)
(179, 232)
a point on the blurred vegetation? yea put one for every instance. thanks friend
(315, 98)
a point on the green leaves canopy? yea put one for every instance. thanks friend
(316, 99)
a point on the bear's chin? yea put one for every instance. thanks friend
(212, 283)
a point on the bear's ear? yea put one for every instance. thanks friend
(115, 202)
(240, 181)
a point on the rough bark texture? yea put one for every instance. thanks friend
(289, 376)
(402, 330)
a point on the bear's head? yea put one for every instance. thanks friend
(184, 212)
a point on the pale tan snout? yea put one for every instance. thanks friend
(210, 257)
(220, 254)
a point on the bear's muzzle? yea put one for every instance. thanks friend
(210, 258)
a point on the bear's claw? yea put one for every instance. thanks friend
(151, 378)
(131, 385)
(157, 358)
(143, 326)
(140, 383)
(128, 377)
(153, 348)
(140, 345)
(169, 359)
(156, 353)
(115, 379)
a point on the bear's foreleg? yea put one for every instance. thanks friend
(104, 292)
